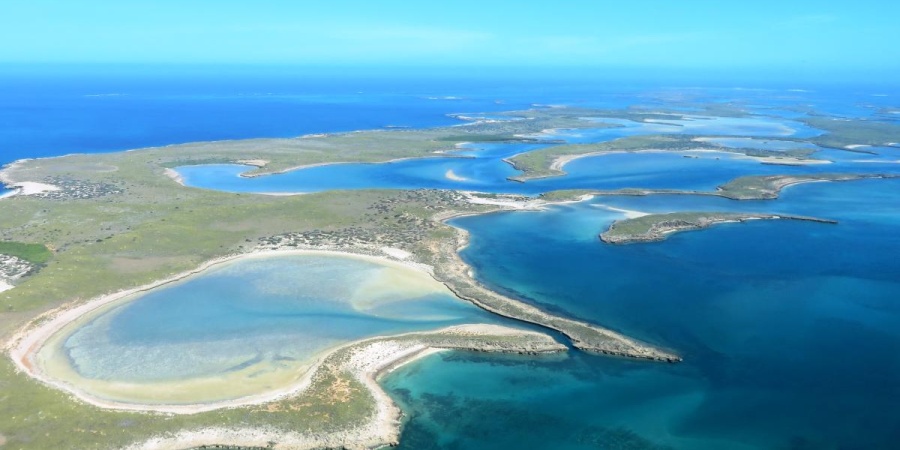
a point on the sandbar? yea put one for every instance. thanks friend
(450, 175)
(367, 361)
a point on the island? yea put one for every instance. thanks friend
(658, 227)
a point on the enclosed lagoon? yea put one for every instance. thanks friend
(246, 327)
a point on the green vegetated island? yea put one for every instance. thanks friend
(86, 227)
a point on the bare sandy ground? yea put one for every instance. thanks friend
(175, 176)
(629, 213)
(368, 360)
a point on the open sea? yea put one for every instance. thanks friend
(790, 331)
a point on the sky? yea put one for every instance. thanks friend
(662, 34)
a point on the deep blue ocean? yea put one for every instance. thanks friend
(790, 331)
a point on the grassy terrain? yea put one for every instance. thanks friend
(33, 253)
(761, 187)
(540, 163)
(652, 226)
(657, 227)
(139, 226)
(153, 229)
(750, 187)
(37, 417)
(841, 132)
(361, 146)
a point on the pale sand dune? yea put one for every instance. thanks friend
(396, 252)
(504, 201)
(31, 188)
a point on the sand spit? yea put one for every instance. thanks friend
(629, 213)
(367, 361)
(458, 276)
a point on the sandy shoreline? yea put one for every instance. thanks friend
(12, 192)
(309, 166)
(28, 188)
(24, 344)
(367, 360)
(175, 176)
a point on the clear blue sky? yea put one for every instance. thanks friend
(626, 33)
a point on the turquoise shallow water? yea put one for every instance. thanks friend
(264, 310)
(789, 330)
